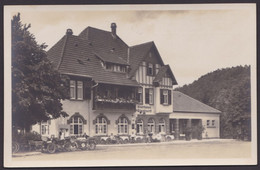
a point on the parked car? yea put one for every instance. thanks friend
(85, 143)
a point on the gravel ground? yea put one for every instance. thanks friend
(212, 149)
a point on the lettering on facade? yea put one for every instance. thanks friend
(143, 109)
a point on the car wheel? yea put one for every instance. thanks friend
(126, 141)
(51, 148)
(15, 147)
(92, 146)
(83, 146)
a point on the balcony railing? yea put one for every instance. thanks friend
(118, 103)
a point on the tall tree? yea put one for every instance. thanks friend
(37, 89)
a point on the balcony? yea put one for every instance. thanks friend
(114, 98)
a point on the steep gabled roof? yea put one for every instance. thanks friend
(55, 54)
(105, 41)
(184, 103)
(79, 58)
(161, 73)
(137, 54)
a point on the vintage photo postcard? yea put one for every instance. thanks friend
(130, 85)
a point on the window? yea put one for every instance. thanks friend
(166, 96)
(208, 122)
(45, 128)
(148, 96)
(122, 125)
(80, 90)
(139, 127)
(151, 125)
(161, 126)
(140, 95)
(76, 89)
(76, 126)
(150, 69)
(213, 122)
(72, 89)
(101, 126)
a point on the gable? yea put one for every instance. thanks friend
(153, 57)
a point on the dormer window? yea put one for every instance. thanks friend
(150, 69)
(115, 67)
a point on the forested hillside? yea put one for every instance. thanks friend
(227, 90)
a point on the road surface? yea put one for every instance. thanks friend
(213, 149)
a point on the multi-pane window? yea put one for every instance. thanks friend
(149, 96)
(115, 67)
(122, 125)
(161, 126)
(76, 90)
(140, 95)
(150, 69)
(101, 126)
(165, 96)
(45, 128)
(208, 122)
(80, 90)
(76, 126)
(213, 122)
(139, 126)
(151, 125)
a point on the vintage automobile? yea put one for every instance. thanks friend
(85, 143)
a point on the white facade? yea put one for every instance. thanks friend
(211, 130)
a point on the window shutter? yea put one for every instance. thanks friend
(87, 90)
(146, 96)
(169, 97)
(161, 95)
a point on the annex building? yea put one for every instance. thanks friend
(116, 89)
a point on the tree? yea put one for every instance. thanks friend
(37, 88)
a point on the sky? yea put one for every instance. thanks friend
(193, 39)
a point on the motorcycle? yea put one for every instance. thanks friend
(54, 144)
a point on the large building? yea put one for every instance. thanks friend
(120, 90)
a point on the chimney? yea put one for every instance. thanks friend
(113, 28)
(69, 32)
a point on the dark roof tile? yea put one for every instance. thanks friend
(184, 103)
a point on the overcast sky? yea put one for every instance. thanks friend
(193, 41)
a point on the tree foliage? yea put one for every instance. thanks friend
(37, 89)
(227, 90)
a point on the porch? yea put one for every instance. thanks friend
(180, 128)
